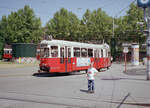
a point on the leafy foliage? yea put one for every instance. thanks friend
(129, 30)
(21, 27)
(98, 25)
(64, 25)
(93, 25)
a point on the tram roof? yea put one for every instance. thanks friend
(74, 44)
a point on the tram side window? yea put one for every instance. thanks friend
(83, 52)
(95, 53)
(90, 52)
(62, 52)
(54, 51)
(98, 53)
(106, 53)
(76, 52)
(69, 52)
(6, 52)
(102, 53)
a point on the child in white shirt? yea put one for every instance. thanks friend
(91, 77)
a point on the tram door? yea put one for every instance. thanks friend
(104, 54)
(68, 67)
(96, 56)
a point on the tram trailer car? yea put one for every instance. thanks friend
(7, 54)
(59, 56)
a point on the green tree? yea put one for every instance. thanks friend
(97, 24)
(21, 27)
(85, 26)
(64, 25)
(129, 30)
(3, 28)
(3, 32)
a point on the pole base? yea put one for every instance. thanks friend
(148, 77)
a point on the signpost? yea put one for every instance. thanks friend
(125, 51)
(143, 3)
(146, 4)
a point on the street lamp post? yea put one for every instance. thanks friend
(113, 41)
(146, 4)
(148, 46)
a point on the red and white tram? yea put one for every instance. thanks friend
(7, 53)
(67, 56)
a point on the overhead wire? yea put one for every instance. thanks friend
(124, 9)
(104, 6)
(108, 3)
(4, 7)
(47, 13)
(15, 9)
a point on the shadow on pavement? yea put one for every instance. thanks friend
(112, 78)
(119, 78)
(56, 74)
(135, 79)
(136, 71)
(50, 74)
(85, 91)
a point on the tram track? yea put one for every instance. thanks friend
(52, 96)
(14, 75)
(142, 104)
(97, 100)
(43, 102)
(24, 96)
(25, 99)
(113, 88)
(100, 94)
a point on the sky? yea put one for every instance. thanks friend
(45, 9)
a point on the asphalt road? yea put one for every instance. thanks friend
(24, 88)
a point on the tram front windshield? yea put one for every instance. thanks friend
(44, 52)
